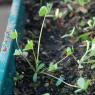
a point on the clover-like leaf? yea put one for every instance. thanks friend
(17, 52)
(29, 45)
(13, 35)
(52, 67)
(59, 81)
(43, 11)
(83, 83)
(68, 51)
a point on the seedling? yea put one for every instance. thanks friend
(59, 82)
(70, 34)
(68, 51)
(90, 52)
(52, 67)
(83, 83)
(82, 2)
(39, 67)
(91, 22)
(46, 94)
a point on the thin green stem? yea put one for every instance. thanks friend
(34, 55)
(61, 60)
(39, 42)
(24, 56)
(60, 80)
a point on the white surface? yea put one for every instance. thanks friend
(4, 14)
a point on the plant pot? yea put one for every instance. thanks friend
(7, 63)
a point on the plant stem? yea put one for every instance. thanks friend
(25, 57)
(39, 42)
(60, 80)
(61, 60)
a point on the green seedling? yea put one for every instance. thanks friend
(82, 2)
(83, 83)
(38, 67)
(70, 34)
(18, 77)
(59, 82)
(13, 35)
(29, 45)
(58, 14)
(68, 51)
(84, 36)
(46, 94)
(91, 22)
(45, 10)
(52, 67)
(88, 55)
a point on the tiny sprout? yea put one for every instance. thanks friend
(46, 94)
(29, 45)
(19, 76)
(93, 44)
(52, 67)
(71, 34)
(82, 2)
(58, 14)
(18, 52)
(61, 78)
(91, 22)
(83, 83)
(68, 51)
(13, 35)
(43, 11)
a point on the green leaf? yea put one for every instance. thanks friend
(93, 66)
(93, 44)
(52, 67)
(68, 51)
(46, 94)
(41, 66)
(77, 91)
(43, 11)
(84, 36)
(18, 52)
(35, 77)
(13, 35)
(82, 2)
(83, 83)
(29, 45)
(59, 81)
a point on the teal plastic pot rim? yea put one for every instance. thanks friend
(8, 46)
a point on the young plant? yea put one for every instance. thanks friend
(88, 55)
(83, 84)
(71, 34)
(82, 2)
(91, 22)
(38, 67)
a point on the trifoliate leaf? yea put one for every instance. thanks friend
(43, 11)
(68, 51)
(83, 83)
(59, 81)
(52, 67)
(18, 52)
(29, 45)
(13, 35)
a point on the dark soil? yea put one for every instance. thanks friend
(52, 49)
